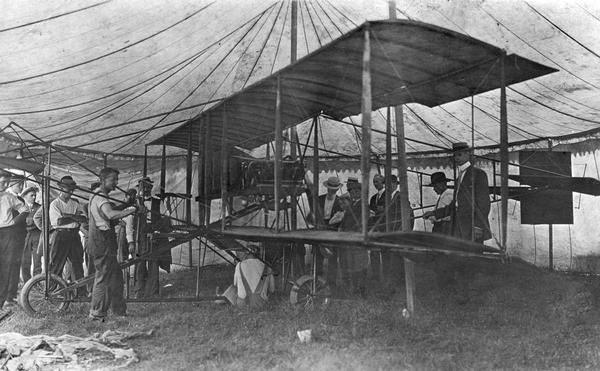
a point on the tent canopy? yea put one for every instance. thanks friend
(410, 62)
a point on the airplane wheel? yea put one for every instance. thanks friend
(301, 293)
(36, 303)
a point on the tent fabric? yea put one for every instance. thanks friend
(410, 62)
(69, 68)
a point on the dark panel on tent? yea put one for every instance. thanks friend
(411, 62)
(547, 205)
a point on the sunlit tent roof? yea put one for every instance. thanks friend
(410, 62)
(113, 76)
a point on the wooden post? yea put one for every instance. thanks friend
(46, 219)
(293, 134)
(315, 166)
(503, 156)
(201, 165)
(388, 172)
(366, 131)
(105, 160)
(409, 265)
(278, 155)
(223, 168)
(207, 168)
(550, 247)
(163, 168)
(392, 9)
(188, 189)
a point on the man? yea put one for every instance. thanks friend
(20, 233)
(441, 225)
(108, 280)
(253, 281)
(10, 205)
(30, 250)
(66, 215)
(377, 203)
(471, 206)
(354, 261)
(137, 227)
(468, 212)
(329, 205)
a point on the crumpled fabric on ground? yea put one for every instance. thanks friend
(19, 352)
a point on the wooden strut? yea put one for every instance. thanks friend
(315, 196)
(503, 156)
(188, 190)
(366, 131)
(278, 155)
(224, 168)
(46, 220)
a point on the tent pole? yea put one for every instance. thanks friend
(145, 171)
(223, 168)
(46, 220)
(188, 190)
(163, 168)
(366, 131)
(278, 154)
(293, 134)
(105, 160)
(201, 165)
(503, 155)
(392, 9)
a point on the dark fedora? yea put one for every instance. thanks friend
(460, 146)
(67, 182)
(438, 177)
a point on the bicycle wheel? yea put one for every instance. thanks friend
(34, 300)
(301, 293)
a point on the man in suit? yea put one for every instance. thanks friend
(377, 204)
(329, 205)
(468, 211)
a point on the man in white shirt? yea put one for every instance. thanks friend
(108, 280)
(441, 223)
(66, 215)
(252, 275)
(10, 205)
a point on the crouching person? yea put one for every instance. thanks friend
(252, 282)
(107, 291)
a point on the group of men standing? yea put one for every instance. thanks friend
(20, 225)
(461, 212)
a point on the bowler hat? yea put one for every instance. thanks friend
(332, 183)
(438, 177)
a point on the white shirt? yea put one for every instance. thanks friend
(444, 199)
(8, 203)
(95, 213)
(58, 208)
(253, 272)
(327, 207)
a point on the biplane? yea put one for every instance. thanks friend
(379, 64)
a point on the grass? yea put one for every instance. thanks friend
(519, 318)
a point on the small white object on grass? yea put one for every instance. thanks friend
(405, 313)
(305, 336)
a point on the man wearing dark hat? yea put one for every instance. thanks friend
(30, 251)
(10, 206)
(471, 205)
(377, 203)
(442, 224)
(66, 215)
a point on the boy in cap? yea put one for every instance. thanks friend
(10, 205)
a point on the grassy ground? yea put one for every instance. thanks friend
(519, 318)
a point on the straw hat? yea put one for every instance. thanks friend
(28, 190)
(332, 183)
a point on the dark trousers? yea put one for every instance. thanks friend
(146, 279)
(67, 246)
(332, 263)
(30, 255)
(15, 264)
(8, 246)
(108, 280)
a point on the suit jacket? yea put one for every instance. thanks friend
(471, 205)
(336, 207)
